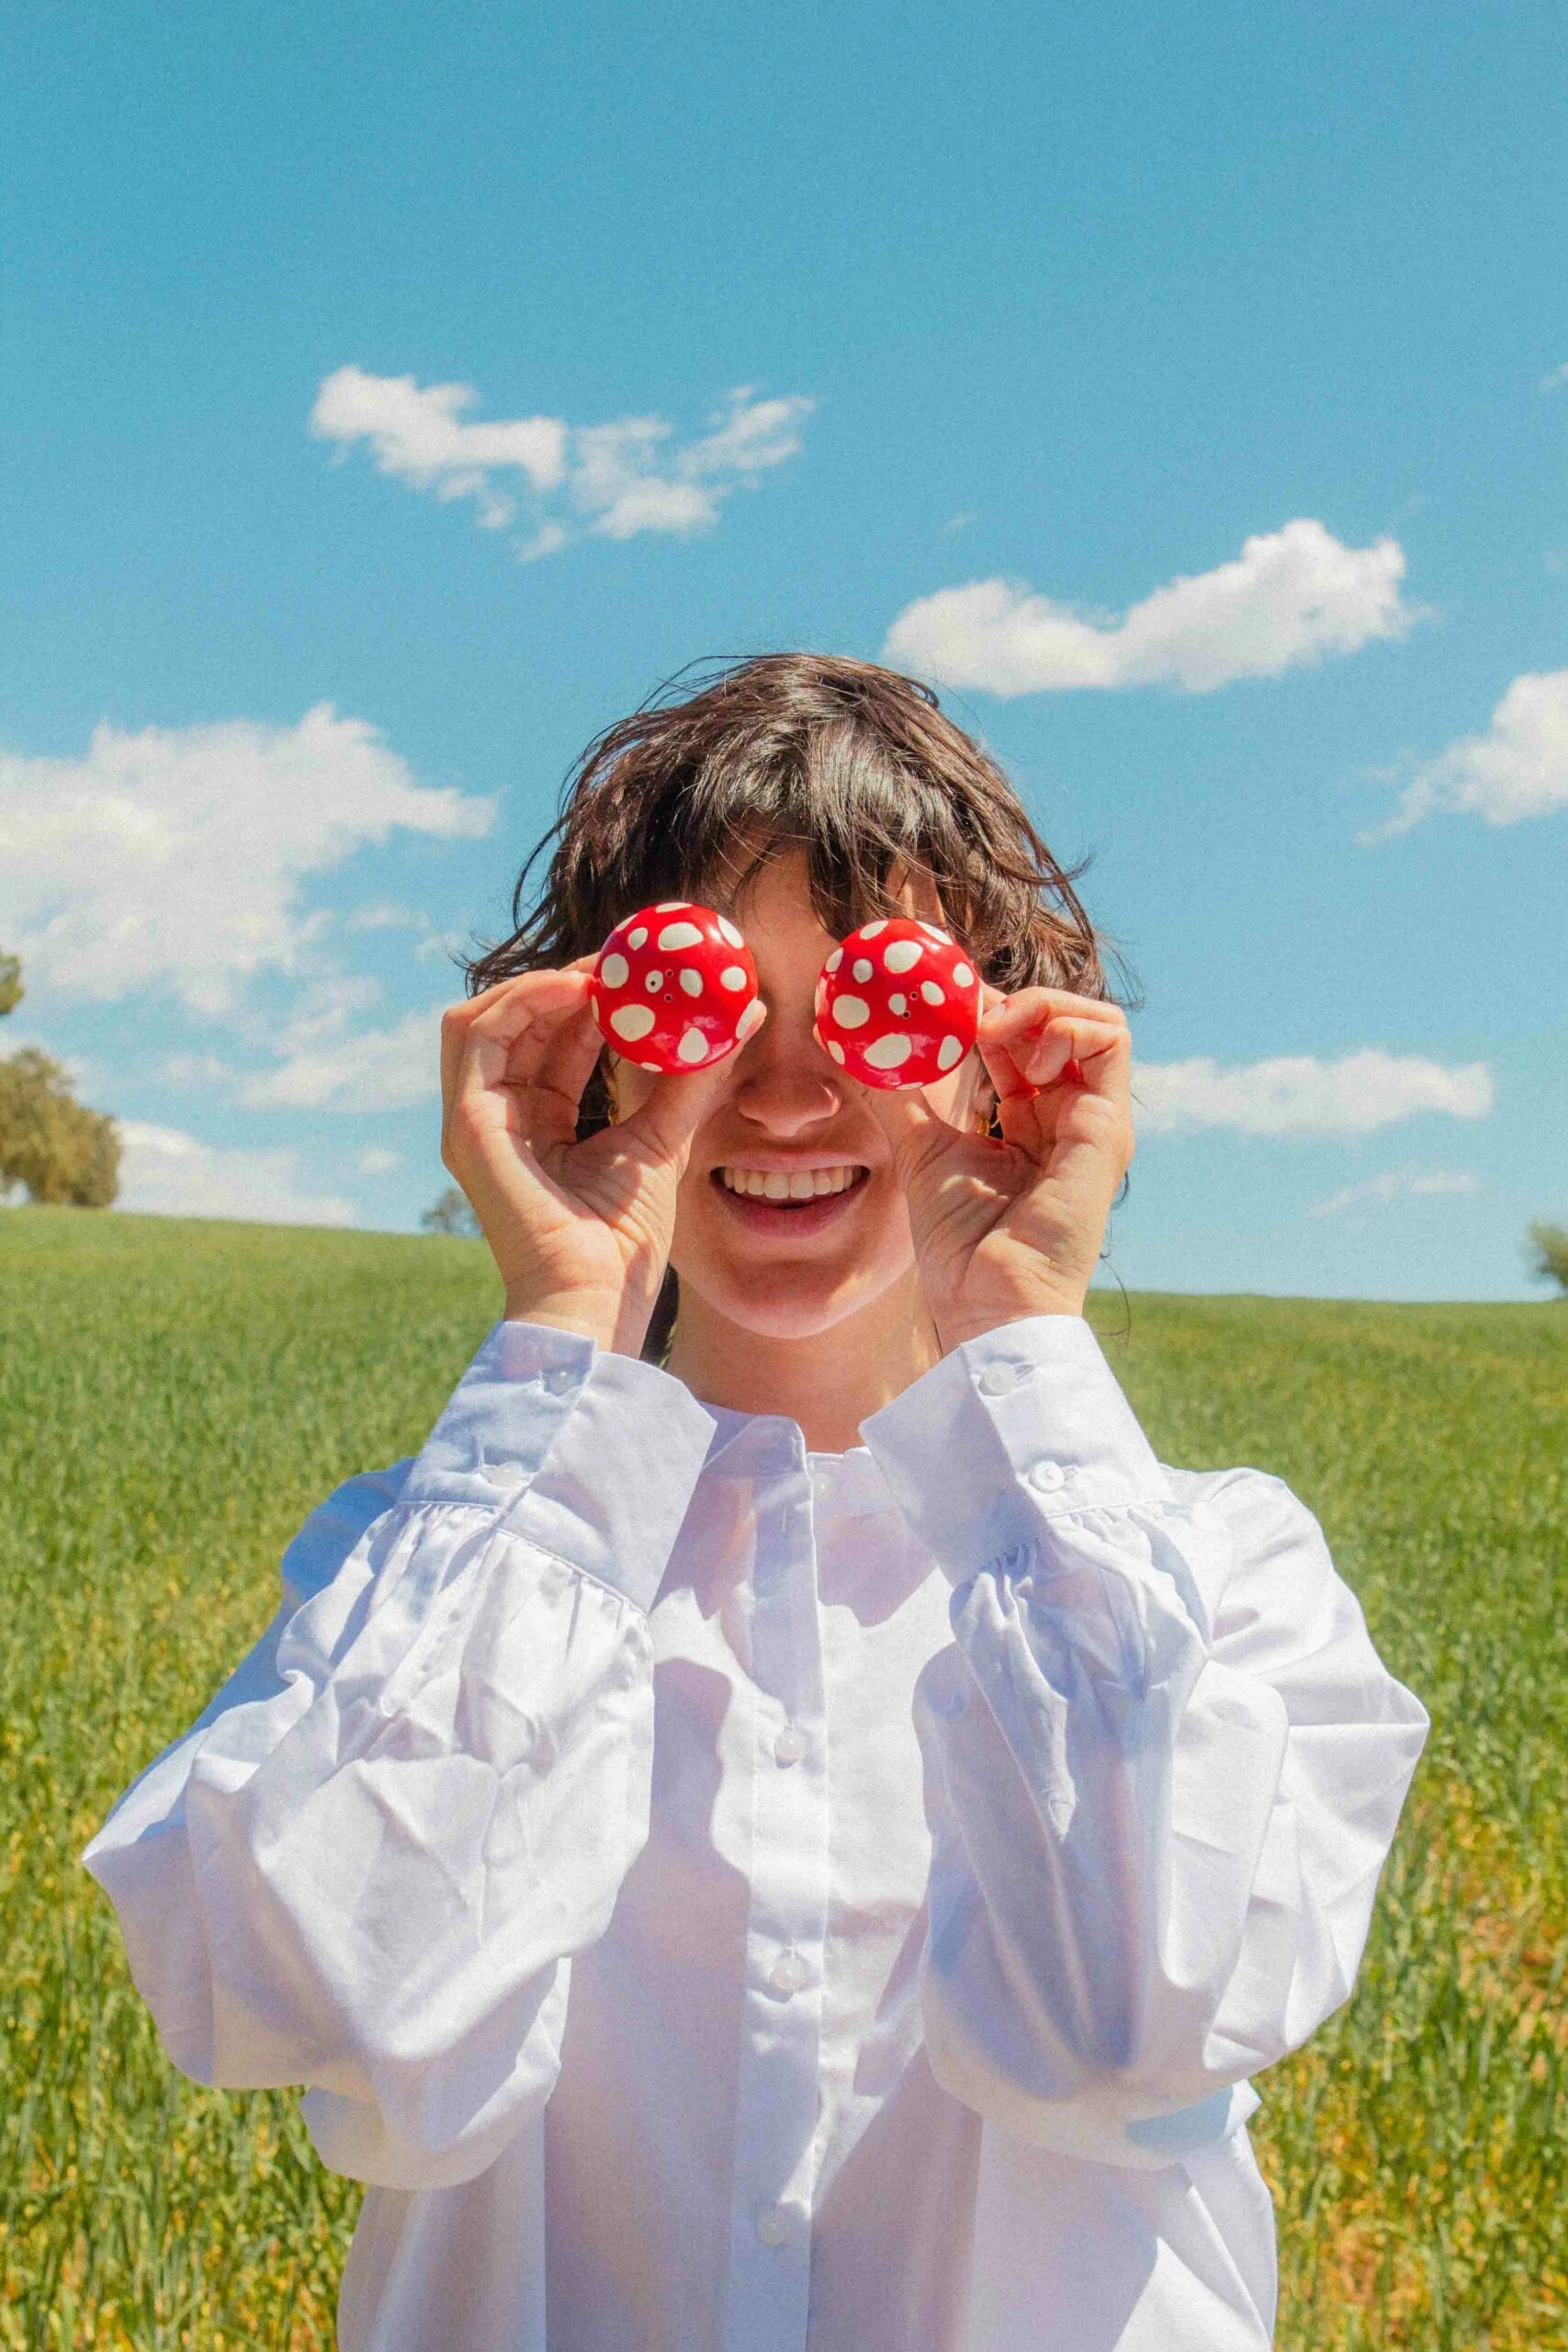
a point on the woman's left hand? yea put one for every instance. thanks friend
(1009, 1228)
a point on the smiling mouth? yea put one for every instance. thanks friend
(791, 1189)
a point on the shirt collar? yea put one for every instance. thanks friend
(843, 1485)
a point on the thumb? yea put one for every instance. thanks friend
(913, 1129)
(677, 1106)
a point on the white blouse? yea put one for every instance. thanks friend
(730, 1898)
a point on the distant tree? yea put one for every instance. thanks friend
(63, 1152)
(1549, 1263)
(52, 1145)
(451, 1213)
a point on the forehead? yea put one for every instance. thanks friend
(776, 893)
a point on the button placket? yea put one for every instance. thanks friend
(774, 2153)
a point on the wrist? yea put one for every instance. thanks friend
(585, 1314)
(952, 1330)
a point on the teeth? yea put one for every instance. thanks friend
(797, 1184)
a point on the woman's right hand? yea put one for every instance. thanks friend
(581, 1232)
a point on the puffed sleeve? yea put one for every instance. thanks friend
(1164, 1762)
(366, 1867)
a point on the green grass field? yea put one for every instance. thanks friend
(174, 1398)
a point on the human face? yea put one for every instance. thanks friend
(784, 1110)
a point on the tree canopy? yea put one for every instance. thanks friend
(450, 1213)
(51, 1143)
(1549, 1245)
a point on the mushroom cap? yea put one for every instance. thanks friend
(897, 1003)
(675, 987)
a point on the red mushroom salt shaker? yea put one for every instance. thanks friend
(675, 987)
(897, 1003)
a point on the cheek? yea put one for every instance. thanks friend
(953, 1098)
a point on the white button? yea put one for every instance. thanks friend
(503, 1474)
(559, 1379)
(788, 1974)
(1047, 1477)
(790, 1745)
(773, 2225)
(997, 1378)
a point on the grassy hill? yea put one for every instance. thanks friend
(174, 1397)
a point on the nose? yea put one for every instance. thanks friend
(785, 1083)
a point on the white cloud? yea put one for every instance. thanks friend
(373, 1069)
(195, 1070)
(1395, 1184)
(1300, 1095)
(326, 1007)
(385, 916)
(1518, 769)
(173, 1174)
(175, 856)
(1555, 380)
(420, 437)
(616, 480)
(376, 1162)
(1291, 597)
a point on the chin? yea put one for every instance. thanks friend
(784, 1302)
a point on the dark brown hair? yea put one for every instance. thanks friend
(857, 765)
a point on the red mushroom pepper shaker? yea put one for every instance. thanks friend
(897, 1003)
(675, 987)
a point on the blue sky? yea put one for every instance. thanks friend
(971, 333)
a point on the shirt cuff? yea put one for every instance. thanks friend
(1013, 1429)
(587, 1454)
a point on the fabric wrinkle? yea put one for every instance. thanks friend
(725, 1897)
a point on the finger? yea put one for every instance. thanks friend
(571, 1053)
(1039, 1003)
(1058, 1121)
(521, 1023)
(549, 1101)
(502, 1048)
(915, 1128)
(1097, 1050)
(1090, 1053)
(1007, 1023)
(505, 1011)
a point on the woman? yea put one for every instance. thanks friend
(785, 1828)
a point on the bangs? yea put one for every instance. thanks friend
(863, 820)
